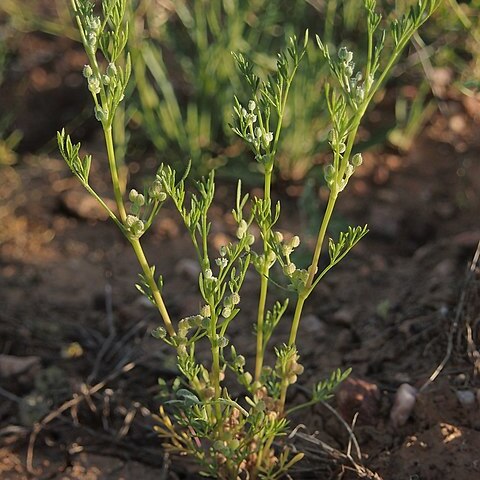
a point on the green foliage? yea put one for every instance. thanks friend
(234, 437)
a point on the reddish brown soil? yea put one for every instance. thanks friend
(387, 311)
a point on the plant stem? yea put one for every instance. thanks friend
(263, 285)
(117, 190)
(302, 297)
(215, 360)
(157, 296)
(312, 270)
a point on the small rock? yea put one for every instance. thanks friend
(466, 398)
(11, 365)
(457, 123)
(403, 405)
(344, 316)
(188, 268)
(356, 395)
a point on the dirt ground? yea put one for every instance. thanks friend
(79, 332)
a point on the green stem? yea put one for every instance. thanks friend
(312, 270)
(157, 296)
(302, 297)
(215, 361)
(263, 286)
(117, 189)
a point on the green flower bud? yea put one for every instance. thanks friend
(295, 241)
(242, 229)
(140, 200)
(357, 160)
(341, 147)
(235, 298)
(247, 377)
(268, 137)
(205, 311)
(289, 269)
(87, 71)
(342, 53)
(155, 191)
(240, 361)
(226, 312)
(137, 228)
(132, 196)
(222, 342)
(92, 40)
(111, 70)
(130, 220)
(250, 239)
(221, 262)
(94, 84)
(93, 22)
(252, 105)
(101, 114)
(279, 237)
(329, 173)
(159, 333)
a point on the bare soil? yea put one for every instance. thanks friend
(392, 311)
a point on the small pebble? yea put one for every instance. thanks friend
(403, 405)
(466, 398)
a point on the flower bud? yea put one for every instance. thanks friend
(140, 200)
(240, 361)
(250, 239)
(226, 312)
(137, 228)
(289, 269)
(242, 229)
(342, 53)
(278, 237)
(101, 114)
(221, 262)
(252, 105)
(341, 148)
(295, 241)
(87, 71)
(111, 70)
(247, 377)
(159, 333)
(268, 137)
(94, 84)
(258, 132)
(132, 196)
(205, 311)
(156, 192)
(235, 298)
(92, 40)
(105, 79)
(222, 342)
(329, 173)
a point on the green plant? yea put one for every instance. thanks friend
(234, 437)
